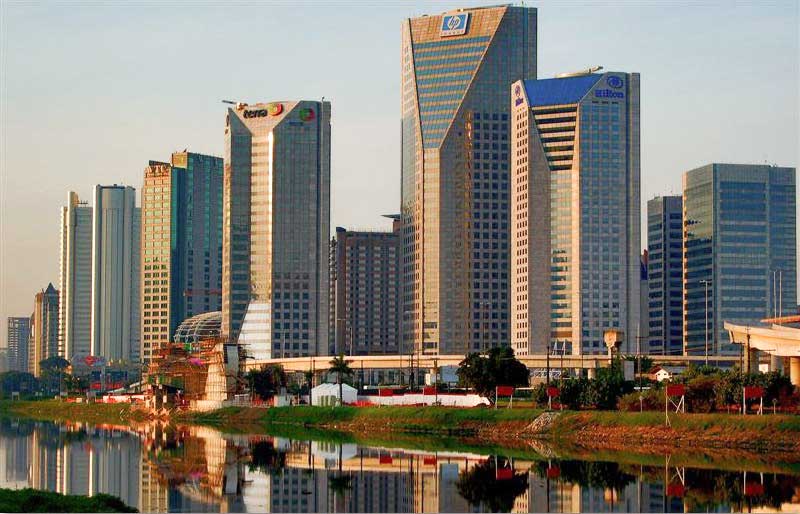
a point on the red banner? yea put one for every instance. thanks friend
(553, 472)
(385, 392)
(552, 392)
(385, 459)
(429, 461)
(95, 386)
(753, 392)
(754, 489)
(428, 390)
(504, 474)
(676, 390)
(677, 490)
(505, 390)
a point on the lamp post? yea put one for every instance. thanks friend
(705, 283)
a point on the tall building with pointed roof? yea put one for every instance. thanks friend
(44, 329)
(575, 213)
(455, 72)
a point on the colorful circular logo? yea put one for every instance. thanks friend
(306, 114)
(274, 109)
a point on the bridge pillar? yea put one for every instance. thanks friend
(794, 370)
(775, 363)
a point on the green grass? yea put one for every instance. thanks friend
(33, 500)
(57, 410)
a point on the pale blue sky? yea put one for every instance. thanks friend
(92, 91)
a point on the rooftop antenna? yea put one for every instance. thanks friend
(239, 105)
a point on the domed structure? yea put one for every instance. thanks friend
(199, 327)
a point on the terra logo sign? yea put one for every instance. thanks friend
(271, 110)
(454, 24)
(615, 82)
(306, 114)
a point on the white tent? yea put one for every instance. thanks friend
(328, 394)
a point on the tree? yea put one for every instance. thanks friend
(480, 487)
(267, 381)
(485, 371)
(342, 368)
(54, 364)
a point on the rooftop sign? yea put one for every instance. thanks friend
(272, 109)
(454, 24)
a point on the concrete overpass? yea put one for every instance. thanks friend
(779, 341)
(429, 362)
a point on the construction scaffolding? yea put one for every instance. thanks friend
(198, 370)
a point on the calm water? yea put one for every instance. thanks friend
(160, 469)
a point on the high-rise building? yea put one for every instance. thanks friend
(665, 275)
(19, 333)
(115, 273)
(276, 224)
(739, 251)
(365, 282)
(455, 72)
(575, 225)
(44, 329)
(181, 251)
(74, 337)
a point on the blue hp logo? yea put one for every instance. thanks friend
(454, 24)
(615, 82)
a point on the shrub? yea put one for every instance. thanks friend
(652, 399)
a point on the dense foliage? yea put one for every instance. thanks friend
(267, 381)
(33, 500)
(495, 367)
(481, 487)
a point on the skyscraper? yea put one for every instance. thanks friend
(739, 250)
(115, 273)
(44, 329)
(455, 72)
(276, 224)
(665, 275)
(181, 251)
(74, 337)
(365, 282)
(19, 333)
(575, 269)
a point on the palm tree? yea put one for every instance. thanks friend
(340, 367)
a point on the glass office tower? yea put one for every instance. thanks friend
(19, 333)
(75, 327)
(665, 276)
(181, 244)
(739, 250)
(455, 72)
(276, 224)
(575, 269)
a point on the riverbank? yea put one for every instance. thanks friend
(584, 429)
(33, 500)
(579, 430)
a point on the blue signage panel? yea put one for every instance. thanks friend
(454, 24)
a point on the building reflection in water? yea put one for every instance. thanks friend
(195, 469)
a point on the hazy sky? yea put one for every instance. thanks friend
(91, 92)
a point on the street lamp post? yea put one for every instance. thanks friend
(705, 283)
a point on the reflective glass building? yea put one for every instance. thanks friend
(740, 242)
(19, 333)
(181, 244)
(276, 224)
(75, 325)
(43, 342)
(665, 276)
(455, 72)
(575, 214)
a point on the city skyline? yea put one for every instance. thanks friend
(665, 125)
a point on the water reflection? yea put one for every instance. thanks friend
(167, 469)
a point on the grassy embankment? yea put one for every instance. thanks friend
(33, 500)
(56, 410)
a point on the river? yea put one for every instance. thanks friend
(158, 468)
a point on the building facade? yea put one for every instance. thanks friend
(74, 337)
(575, 231)
(739, 251)
(365, 282)
(19, 333)
(665, 275)
(43, 342)
(276, 224)
(116, 226)
(455, 71)
(181, 251)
